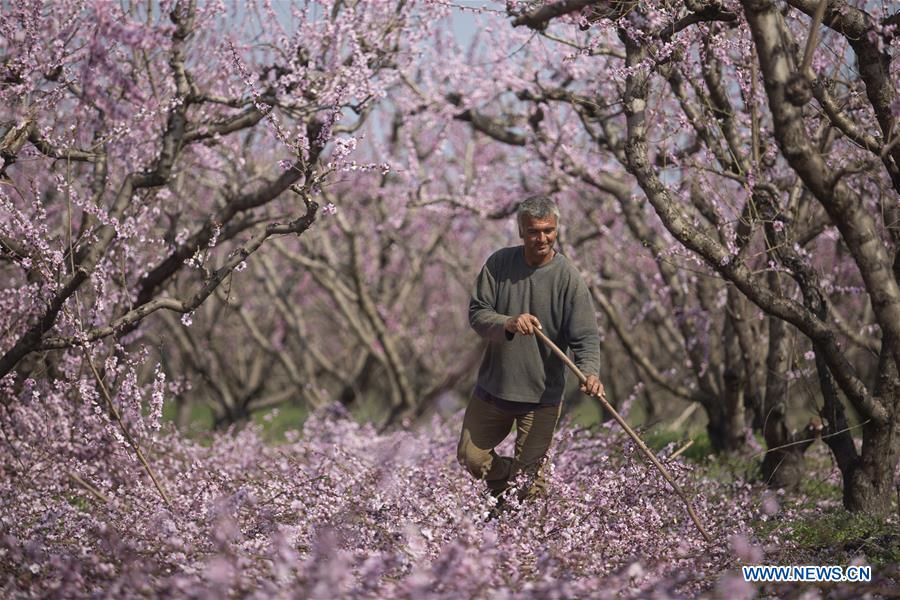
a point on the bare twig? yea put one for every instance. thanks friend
(898, 499)
(684, 416)
(88, 487)
(681, 450)
(812, 40)
(131, 441)
(803, 441)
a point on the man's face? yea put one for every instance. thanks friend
(539, 235)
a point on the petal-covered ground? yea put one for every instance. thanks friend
(342, 511)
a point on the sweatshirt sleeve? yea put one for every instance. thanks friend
(581, 331)
(486, 321)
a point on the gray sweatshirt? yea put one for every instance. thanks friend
(520, 368)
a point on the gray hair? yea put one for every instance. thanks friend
(537, 207)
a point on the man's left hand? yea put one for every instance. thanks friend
(592, 386)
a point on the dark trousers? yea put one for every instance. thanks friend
(485, 426)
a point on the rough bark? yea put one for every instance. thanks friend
(726, 415)
(783, 464)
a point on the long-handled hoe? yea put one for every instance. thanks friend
(634, 436)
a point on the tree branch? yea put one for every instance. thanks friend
(298, 226)
(486, 125)
(540, 17)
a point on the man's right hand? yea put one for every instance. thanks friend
(524, 324)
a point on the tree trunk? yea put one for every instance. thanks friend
(182, 414)
(726, 426)
(784, 468)
(869, 485)
(869, 480)
(782, 465)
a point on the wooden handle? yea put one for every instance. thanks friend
(562, 355)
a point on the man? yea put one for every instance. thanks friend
(520, 381)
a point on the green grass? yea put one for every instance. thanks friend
(838, 533)
(584, 413)
(200, 419)
(274, 421)
(699, 452)
(815, 489)
(80, 502)
(369, 408)
(277, 421)
(872, 536)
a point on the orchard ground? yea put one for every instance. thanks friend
(339, 510)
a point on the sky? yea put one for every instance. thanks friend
(463, 19)
(463, 22)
